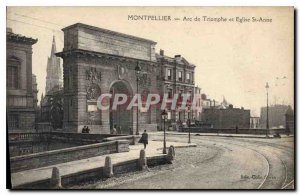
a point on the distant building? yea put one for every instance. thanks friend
(211, 103)
(227, 118)
(276, 116)
(290, 120)
(54, 76)
(52, 108)
(52, 102)
(254, 122)
(20, 103)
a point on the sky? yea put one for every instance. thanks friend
(232, 59)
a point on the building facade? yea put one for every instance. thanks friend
(227, 118)
(177, 77)
(97, 61)
(19, 90)
(276, 116)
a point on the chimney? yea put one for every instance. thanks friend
(161, 52)
(177, 57)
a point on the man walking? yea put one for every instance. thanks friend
(144, 139)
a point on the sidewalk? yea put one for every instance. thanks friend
(154, 148)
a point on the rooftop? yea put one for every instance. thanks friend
(107, 31)
(10, 36)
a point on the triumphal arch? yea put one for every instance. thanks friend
(97, 61)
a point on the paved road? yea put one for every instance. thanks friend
(217, 163)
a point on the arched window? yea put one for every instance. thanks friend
(13, 73)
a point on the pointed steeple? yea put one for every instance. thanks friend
(53, 49)
(54, 76)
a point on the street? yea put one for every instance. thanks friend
(216, 163)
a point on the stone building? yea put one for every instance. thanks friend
(227, 118)
(97, 61)
(51, 112)
(276, 116)
(176, 77)
(52, 109)
(54, 75)
(19, 90)
(290, 120)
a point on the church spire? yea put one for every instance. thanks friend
(53, 49)
(54, 77)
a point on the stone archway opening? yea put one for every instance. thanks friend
(121, 118)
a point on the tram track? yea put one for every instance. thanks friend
(264, 184)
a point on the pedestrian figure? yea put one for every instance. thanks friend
(144, 139)
(87, 129)
(84, 129)
(114, 131)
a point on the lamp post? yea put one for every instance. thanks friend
(267, 88)
(137, 73)
(164, 115)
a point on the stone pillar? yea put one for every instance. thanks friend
(55, 180)
(108, 167)
(171, 154)
(142, 162)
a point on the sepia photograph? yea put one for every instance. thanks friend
(150, 98)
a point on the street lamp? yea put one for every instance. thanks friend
(267, 88)
(137, 73)
(164, 115)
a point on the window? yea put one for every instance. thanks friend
(180, 76)
(13, 121)
(13, 73)
(180, 95)
(188, 77)
(169, 115)
(170, 94)
(169, 74)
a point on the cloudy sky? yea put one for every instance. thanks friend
(232, 59)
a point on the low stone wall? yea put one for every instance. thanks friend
(234, 131)
(32, 161)
(22, 143)
(133, 139)
(44, 127)
(96, 173)
(81, 137)
(41, 136)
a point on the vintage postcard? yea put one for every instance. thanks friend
(150, 98)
